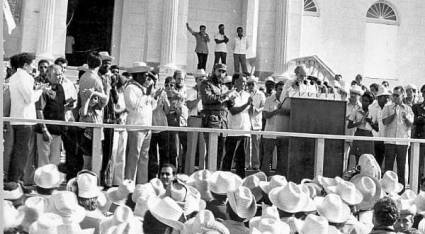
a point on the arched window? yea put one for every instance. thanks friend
(382, 12)
(310, 8)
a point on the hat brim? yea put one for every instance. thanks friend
(369, 203)
(264, 185)
(306, 204)
(77, 215)
(109, 195)
(177, 225)
(247, 213)
(339, 218)
(139, 69)
(397, 189)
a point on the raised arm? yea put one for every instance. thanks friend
(189, 29)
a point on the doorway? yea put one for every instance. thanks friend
(89, 28)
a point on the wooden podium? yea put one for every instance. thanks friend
(319, 116)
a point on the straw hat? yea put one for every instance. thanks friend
(406, 207)
(333, 208)
(327, 182)
(275, 181)
(123, 219)
(47, 176)
(311, 188)
(369, 166)
(390, 184)
(204, 222)
(139, 67)
(268, 212)
(12, 191)
(142, 190)
(157, 186)
(382, 91)
(409, 196)
(314, 224)
(269, 79)
(222, 182)
(104, 55)
(167, 211)
(119, 194)
(291, 199)
(46, 224)
(271, 226)
(66, 205)
(252, 79)
(253, 183)
(87, 185)
(12, 217)
(200, 180)
(348, 192)
(32, 209)
(370, 189)
(242, 202)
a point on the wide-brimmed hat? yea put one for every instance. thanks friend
(120, 194)
(11, 216)
(411, 86)
(370, 188)
(47, 223)
(104, 55)
(382, 91)
(142, 190)
(291, 199)
(275, 181)
(222, 182)
(252, 79)
(200, 73)
(409, 195)
(139, 67)
(269, 79)
(204, 222)
(405, 207)
(314, 224)
(311, 188)
(12, 191)
(253, 183)
(66, 205)
(270, 226)
(73, 228)
(327, 182)
(356, 89)
(47, 176)
(333, 208)
(200, 180)
(33, 208)
(242, 202)
(369, 166)
(348, 192)
(268, 212)
(420, 202)
(167, 211)
(123, 216)
(87, 185)
(142, 205)
(390, 184)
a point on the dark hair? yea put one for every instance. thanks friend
(368, 95)
(374, 85)
(385, 83)
(81, 73)
(168, 79)
(171, 166)
(61, 60)
(94, 60)
(43, 61)
(385, 212)
(353, 82)
(239, 28)
(126, 74)
(13, 61)
(24, 58)
(177, 72)
(153, 225)
(202, 26)
(89, 204)
(284, 214)
(399, 88)
(236, 76)
(280, 83)
(44, 191)
(114, 67)
(232, 214)
(220, 25)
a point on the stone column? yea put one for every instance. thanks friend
(169, 36)
(288, 33)
(45, 39)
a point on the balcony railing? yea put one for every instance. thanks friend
(213, 140)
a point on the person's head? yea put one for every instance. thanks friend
(202, 28)
(89, 204)
(404, 222)
(239, 82)
(61, 61)
(93, 60)
(55, 74)
(239, 31)
(300, 73)
(385, 212)
(94, 100)
(221, 28)
(25, 61)
(179, 76)
(367, 99)
(167, 174)
(270, 86)
(374, 88)
(199, 80)
(169, 83)
(338, 77)
(383, 100)
(359, 79)
(143, 78)
(398, 95)
(279, 88)
(153, 225)
(411, 92)
(232, 214)
(115, 70)
(385, 84)
(42, 67)
(220, 71)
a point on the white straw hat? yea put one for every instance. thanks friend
(66, 205)
(242, 202)
(222, 182)
(333, 208)
(370, 189)
(275, 181)
(390, 184)
(47, 176)
(291, 199)
(87, 185)
(11, 217)
(348, 192)
(167, 211)
(271, 226)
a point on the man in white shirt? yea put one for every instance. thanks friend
(237, 120)
(297, 86)
(221, 45)
(140, 104)
(240, 49)
(256, 116)
(23, 96)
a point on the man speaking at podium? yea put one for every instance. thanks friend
(298, 86)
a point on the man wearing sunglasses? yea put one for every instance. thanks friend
(398, 120)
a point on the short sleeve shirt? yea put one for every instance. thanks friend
(201, 43)
(52, 103)
(220, 47)
(272, 104)
(192, 94)
(397, 128)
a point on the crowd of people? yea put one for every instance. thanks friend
(141, 187)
